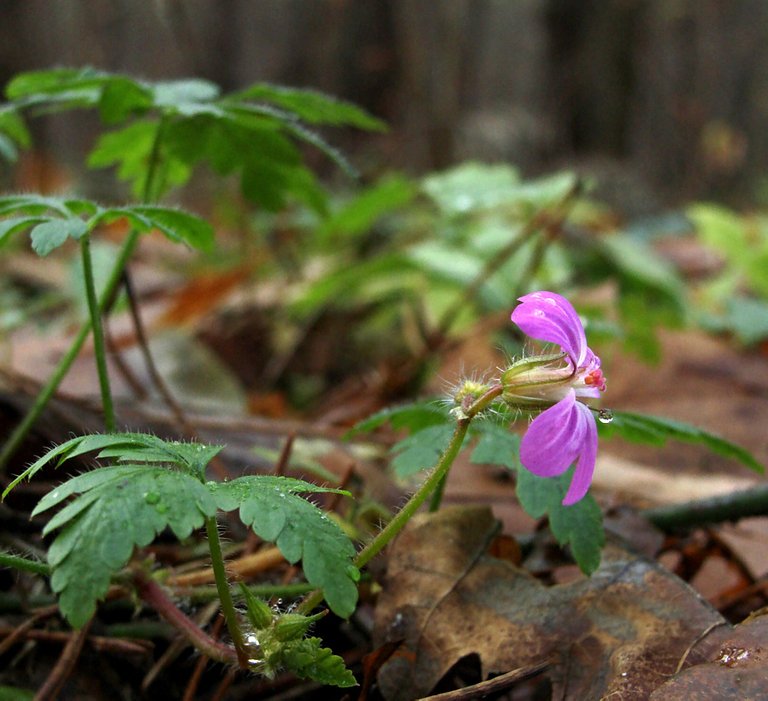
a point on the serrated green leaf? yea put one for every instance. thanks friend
(118, 509)
(421, 449)
(33, 204)
(270, 506)
(497, 445)
(308, 659)
(51, 234)
(125, 447)
(579, 525)
(311, 106)
(655, 430)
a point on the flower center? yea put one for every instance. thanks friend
(595, 378)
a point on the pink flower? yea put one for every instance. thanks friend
(566, 431)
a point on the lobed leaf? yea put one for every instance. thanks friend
(497, 445)
(421, 449)
(655, 430)
(118, 508)
(579, 525)
(270, 506)
(308, 659)
(124, 447)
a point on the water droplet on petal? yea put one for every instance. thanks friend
(605, 416)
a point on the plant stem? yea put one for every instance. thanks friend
(49, 389)
(45, 395)
(98, 334)
(18, 562)
(151, 592)
(433, 481)
(225, 596)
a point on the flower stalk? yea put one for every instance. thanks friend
(225, 596)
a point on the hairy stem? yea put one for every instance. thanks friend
(94, 310)
(225, 596)
(152, 593)
(433, 481)
(17, 562)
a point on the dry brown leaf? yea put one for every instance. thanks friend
(619, 634)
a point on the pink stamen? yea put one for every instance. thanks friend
(596, 378)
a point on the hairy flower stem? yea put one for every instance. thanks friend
(225, 596)
(433, 482)
(152, 593)
(24, 564)
(94, 309)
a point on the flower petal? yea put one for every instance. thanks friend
(585, 467)
(556, 438)
(549, 317)
(553, 440)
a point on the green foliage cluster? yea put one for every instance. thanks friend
(422, 258)
(429, 424)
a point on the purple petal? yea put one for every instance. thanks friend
(585, 467)
(549, 317)
(556, 438)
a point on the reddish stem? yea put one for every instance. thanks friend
(152, 593)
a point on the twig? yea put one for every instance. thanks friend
(64, 665)
(244, 566)
(99, 643)
(701, 512)
(491, 686)
(21, 631)
(194, 680)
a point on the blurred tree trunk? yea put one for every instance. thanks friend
(674, 90)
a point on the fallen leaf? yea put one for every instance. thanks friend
(619, 634)
(737, 668)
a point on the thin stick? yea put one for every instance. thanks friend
(64, 666)
(491, 686)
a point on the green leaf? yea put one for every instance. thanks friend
(311, 106)
(471, 186)
(579, 525)
(123, 447)
(655, 430)
(414, 417)
(181, 94)
(270, 506)
(747, 318)
(118, 508)
(421, 449)
(51, 234)
(359, 215)
(497, 445)
(122, 97)
(15, 693)
(33, 204)
(722, 229)
(307, 659)
(178, 226)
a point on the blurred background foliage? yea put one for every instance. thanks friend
(613, 147)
